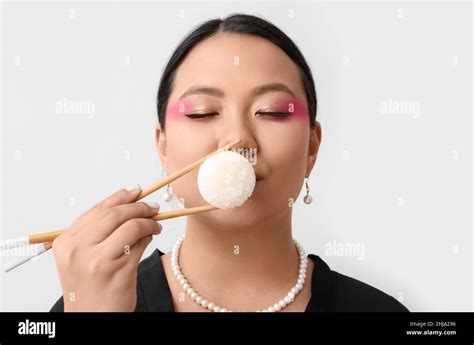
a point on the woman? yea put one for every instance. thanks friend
(240, 77)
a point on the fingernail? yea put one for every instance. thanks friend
(133, 188)
(153, 204)
(161, 226)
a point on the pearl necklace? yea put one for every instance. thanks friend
(289, 298)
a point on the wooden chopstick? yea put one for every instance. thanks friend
(40, 249)
(48, 245)
(154, 187)
(50, 236)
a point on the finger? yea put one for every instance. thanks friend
(127, 235)
(133, 256)
(123, 196)
(110, 219)
(126, 195)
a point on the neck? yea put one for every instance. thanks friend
(261, 257)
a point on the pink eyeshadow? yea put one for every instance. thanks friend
(296, 108)
(178, 109)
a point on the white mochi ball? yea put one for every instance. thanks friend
(226, 179)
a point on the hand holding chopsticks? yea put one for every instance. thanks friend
(47, 238)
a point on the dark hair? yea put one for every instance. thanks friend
(236, 23)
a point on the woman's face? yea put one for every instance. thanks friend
(238, 81)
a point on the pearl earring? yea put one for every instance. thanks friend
(168, 196)
(308, 199)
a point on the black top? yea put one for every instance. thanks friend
(330, 291)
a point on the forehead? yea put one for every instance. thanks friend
(236, 63)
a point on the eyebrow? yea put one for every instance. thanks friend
(258, 91)
(271, 87)
(201, 89)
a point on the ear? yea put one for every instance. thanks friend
(315, 136)
(160, 142)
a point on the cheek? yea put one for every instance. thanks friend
(285, 150)
(182, 133)
(289, 159)
(185, 130)
(286, 138)
(181, 150)
(288, 175)
(185, 188)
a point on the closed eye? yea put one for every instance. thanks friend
(264, 113)
(200, 116)
(274, 113)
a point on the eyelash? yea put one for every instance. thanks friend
(274, 113)
(199, 116)
(264, 113)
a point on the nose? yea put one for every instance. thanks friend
(239, 126)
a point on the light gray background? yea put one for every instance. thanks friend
(396, 183)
